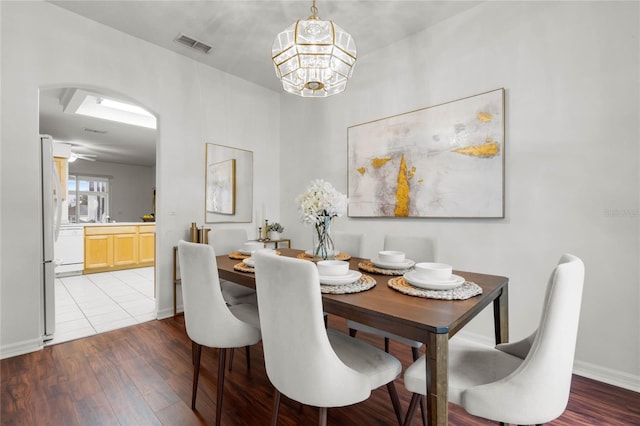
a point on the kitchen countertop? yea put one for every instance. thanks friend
(82, 225)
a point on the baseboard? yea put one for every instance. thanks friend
(21, 348)
(580, 368)
(607, 375)
(168, 312)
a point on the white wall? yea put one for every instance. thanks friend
(44, 46)
(131, 187)
(570, 70)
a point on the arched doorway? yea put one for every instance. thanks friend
(110, 186)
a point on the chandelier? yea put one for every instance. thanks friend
(314, 58)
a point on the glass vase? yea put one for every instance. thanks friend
(322, 242)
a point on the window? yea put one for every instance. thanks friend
(88, 198)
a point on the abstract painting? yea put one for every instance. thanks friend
(221, 187)
(444, 161)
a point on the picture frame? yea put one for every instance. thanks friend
(443, 161)
(221, 187)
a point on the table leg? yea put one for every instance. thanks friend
(501, 316)
(437, 379)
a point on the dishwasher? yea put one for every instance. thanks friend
(69, 251)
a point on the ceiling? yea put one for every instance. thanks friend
(109, 141)
(240, 33)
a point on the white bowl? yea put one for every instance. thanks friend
(250, 246)
(330, 268)
(265, 251)
(391, 256)
(431, 271)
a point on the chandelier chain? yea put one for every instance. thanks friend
(314, 10)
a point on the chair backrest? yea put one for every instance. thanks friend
(553, 349)
(348, 243)
(420, 249)
(206, 315)
(542, 382)
(225, 241)
(299, 359)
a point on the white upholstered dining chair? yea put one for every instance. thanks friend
(225, 241)
(348, 242)
(526, 382)
(208, 319)
(305, 361)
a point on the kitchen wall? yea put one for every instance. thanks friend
(131, 191)
(570, 71)
(44, 46)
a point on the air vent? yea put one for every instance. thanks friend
(87, 129)
(192, 43)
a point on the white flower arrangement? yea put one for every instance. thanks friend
(319, 201)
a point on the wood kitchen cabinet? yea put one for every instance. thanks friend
(146, 245)
(108, 248)
(98, 252)
(125, 250)
(63, 174)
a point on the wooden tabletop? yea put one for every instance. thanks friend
(390, 310)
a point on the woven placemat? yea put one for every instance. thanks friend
(339, 256)
(462, 292)
(242, 267)
(363, 284)
(368, 266)
(239, 256)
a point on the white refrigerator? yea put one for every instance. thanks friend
(51, 215)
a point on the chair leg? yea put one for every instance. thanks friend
(276, 407)
(352, 332)
(415, 353)
(395, 401)
(247, 351)
(221, 365)
(412, 408)
(386, 344)
(230, 359)
(196, 352)
(322, 416)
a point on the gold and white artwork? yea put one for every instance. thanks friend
(443, 161)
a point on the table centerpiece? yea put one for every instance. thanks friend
(318, 206)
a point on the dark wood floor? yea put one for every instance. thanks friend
(141, 375)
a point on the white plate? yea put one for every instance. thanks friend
(243, 251)
(454, 282)
(405, 264)
(249, 261)
(351, 277)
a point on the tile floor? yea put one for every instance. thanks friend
(95, 303)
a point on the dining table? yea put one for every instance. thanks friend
(431, 321)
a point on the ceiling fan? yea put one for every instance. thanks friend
(88, 157)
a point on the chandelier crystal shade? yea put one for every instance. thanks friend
(314, 58)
